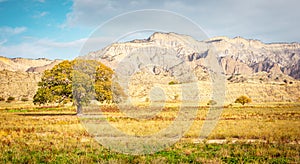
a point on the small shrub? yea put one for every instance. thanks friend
(2, 99)
(211, 102)
(147, 99)
(243, 100)
(230, 78)
(24, 99)
(10, 99)
(176, 97)
(173, 82)
(285, 81)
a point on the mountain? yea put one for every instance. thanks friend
(19, 84)
(20, 76)
(265, 72)
(42, 68)
(237, 55)
(253, 56)
(164, 65)
(21, 64)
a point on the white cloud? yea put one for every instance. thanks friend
(86, 12)
(36, 48)
(95, 12)
(272, 21)
(3, 41)
(26, 50)
(12, 31)
(41, 14)
(54, 44)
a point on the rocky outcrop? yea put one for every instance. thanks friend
(293, 70)
(171, 58)
(234, 66)
(237, 55)
(273, 58)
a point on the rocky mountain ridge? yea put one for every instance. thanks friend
(27, 65)
(167, 58)
(272, 57)
(237, 55)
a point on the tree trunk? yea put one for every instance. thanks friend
(79, 109)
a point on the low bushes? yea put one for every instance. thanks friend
(10, 99)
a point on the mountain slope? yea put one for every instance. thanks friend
(19, 77)
(42, 68)
(18, 84)
(265, 72)
(237, 55)
(273, 58)
(21, 64)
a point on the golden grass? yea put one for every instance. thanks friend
(39, 135)
(275, 123)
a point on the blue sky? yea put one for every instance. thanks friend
(58, 29)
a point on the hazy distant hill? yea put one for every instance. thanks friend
(42, 68)
(19, 76)
(26, 65)
(18, 84)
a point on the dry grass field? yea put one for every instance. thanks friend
(262, 133)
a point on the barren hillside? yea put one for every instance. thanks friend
(19, 76)
(265, 72)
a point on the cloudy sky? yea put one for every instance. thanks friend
(58, 29)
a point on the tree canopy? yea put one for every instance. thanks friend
(79, 80)
(55, 85)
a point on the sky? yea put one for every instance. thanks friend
(58, 29)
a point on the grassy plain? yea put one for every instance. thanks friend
(264, 133)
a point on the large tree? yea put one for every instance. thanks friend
(55, 85)
(79, 80)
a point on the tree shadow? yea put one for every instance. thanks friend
(46, 114)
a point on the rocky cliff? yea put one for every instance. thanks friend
(237, 55)
(166, 58)
(253, 56)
